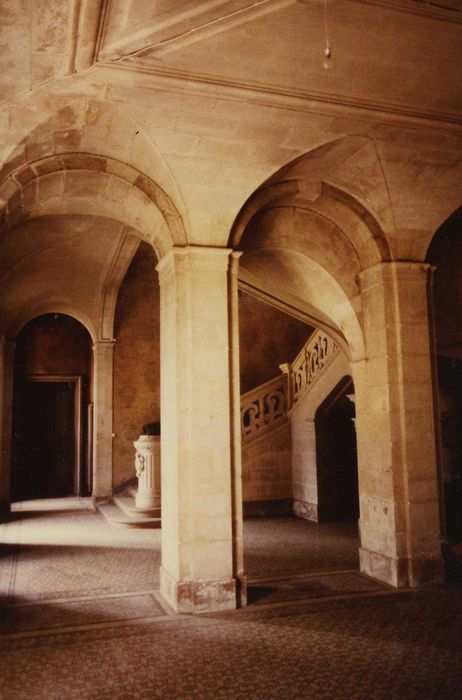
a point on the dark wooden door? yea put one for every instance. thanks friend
(44, 445)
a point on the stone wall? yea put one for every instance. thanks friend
(136, 359)
(267, 473)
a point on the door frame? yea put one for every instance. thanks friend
(76, 379)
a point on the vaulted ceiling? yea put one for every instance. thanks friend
(197, 105)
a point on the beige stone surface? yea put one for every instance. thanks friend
(196, 475)
(136, 359)
(267, 466)
(209, 127)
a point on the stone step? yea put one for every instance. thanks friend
(129, 507)
(116, 516)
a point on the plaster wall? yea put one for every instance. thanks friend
(267, 338)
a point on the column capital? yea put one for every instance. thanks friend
(101, 345)
(202, 257)
(397, 265)
(398, 270)
(234, 262)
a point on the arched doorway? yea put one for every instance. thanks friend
(336, 455)
(445, 253)
(52, 394)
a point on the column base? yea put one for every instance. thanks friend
(306, 510)
(198, 596)
(401, 573)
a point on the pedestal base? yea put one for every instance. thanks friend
(198, 596)
(401, 573)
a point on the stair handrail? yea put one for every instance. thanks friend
(317, 353)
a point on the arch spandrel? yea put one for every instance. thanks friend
(57, 123)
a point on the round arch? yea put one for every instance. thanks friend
(57, 307)
(52, 392)
(82, 183)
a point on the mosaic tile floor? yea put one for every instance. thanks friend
(67, 549)
(354, 650)
(82, 620)
(77, 612)
(289, 545)
(290, 589)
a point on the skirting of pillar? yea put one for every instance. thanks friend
(305, 510)
(198, 596)
(401, 573)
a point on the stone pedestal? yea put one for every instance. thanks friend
(147, 463)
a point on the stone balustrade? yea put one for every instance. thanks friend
(313, 358)
(267, 405)
(264, 406)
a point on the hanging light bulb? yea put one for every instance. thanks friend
(327, 63)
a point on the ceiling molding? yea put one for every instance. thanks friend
(435, 9)
(173, 33)
(87, 25)
(161, 78)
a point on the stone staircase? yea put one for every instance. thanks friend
(270, 404)
(262, 409)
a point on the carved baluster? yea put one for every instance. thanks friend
(288, 370)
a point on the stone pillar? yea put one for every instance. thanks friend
(197, 525)
(7, 348)
(147, 463)
(236, 447)
(103, 367)
(398, 484)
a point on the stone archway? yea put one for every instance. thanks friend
(336, 455)
(88, 212)
(445, 255)
(319, 250)
(51, 395)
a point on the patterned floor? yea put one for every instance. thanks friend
(81, 620)
(389, 650)
(67, 549)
